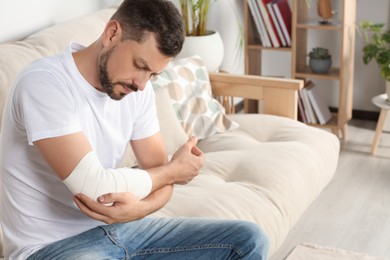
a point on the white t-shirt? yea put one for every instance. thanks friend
(51, 98)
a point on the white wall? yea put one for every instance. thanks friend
(19, 18)
(226, 16)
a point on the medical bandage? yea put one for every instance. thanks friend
(90, 178)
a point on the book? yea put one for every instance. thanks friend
(259, 23)
(276, 23)
(283, 13)
(302, 113)
(268, 24)
(311, 116)
(320, 108)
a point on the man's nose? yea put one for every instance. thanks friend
(141, 80)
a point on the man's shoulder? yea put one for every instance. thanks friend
(50, 70)
(45, 64)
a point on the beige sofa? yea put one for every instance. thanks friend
(268, 170)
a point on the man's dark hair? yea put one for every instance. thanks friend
(138, 18)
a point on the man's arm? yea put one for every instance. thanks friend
(65, 152)
(149, 152)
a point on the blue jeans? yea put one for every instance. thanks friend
(163, 238)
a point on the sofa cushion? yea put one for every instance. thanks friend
(14, 56)
(189, 88)
(268, 171)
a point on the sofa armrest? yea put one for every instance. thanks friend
(279, 96)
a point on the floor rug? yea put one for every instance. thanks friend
(314, 252)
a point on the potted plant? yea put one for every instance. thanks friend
(199, 40)
(195, 14)
(320, 60)
(377, 48)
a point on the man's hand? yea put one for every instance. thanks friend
(125, 206)
(186, 162)
(183, 167)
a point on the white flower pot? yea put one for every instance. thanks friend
(208, 47)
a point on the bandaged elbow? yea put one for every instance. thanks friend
(90, 178)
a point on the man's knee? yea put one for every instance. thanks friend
(256, 241)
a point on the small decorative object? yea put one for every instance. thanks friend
(324, 10)
(377, 48)
(320, 60)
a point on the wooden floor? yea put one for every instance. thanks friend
(353, 211)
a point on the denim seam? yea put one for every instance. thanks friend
(185, 248)
(114, 238)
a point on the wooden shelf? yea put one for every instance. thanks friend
(333, 74)
(342, 26)
(332, 123)
(316, 26)
(261, 47)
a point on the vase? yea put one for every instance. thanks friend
(209, 47)
(320, 66)
(324, 10)
(388, 90)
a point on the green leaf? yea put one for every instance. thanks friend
(383, 57)
(378, 46)
(369, 52)
(385, 71)
(365, 24)
(386, 37)
(376, 27)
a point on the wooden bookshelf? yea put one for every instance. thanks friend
(342, 28)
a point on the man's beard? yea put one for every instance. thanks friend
(105, 81)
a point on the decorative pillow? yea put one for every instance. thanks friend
(189, 89)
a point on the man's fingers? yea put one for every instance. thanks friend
(196, 151)
(83, 206)
(192, 141)
(114, 197)
(106, 198)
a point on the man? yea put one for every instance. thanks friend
(67, 123)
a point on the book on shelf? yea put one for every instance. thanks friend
(276, 23)
(271, 30)
(307, 107)
(283, 13)
(303, 107)
(302, 114)
(258, 21)
(319, 105)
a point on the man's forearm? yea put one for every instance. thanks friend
(161, 176)
(157, 199)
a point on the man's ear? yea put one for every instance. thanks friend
(112, 32)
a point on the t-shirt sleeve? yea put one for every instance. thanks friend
(146, 122)
(45, 106)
